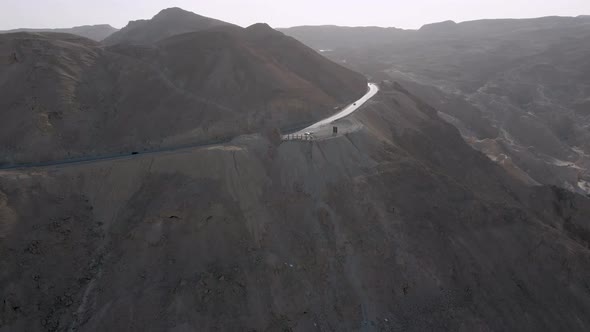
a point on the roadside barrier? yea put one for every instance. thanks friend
(298, 137)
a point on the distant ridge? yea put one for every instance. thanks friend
(332, 36)
(95, 32)
(445, 25)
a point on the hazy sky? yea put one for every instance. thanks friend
(281, 13)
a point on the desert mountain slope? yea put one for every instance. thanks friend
(66, 96)
(517, 89)
(94, 32)
(167, 23)
(399, 226)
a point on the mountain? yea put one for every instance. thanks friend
(397, 226)
(395, 223)
(94, 32)
(167, 23)
(517, 89)
(69, 97)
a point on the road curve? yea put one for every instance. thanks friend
(373, 89)
(316, 127)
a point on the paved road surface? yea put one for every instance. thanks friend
(319, 128)
(117, 156)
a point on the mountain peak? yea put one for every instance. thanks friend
(261, 29)
(167, 23)
(259, 26)
(172, 12)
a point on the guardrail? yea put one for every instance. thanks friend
(298, 137)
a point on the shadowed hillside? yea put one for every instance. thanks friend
(67, 96)
(400, 226)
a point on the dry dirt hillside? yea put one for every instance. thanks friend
(400, 226)
(65, 96)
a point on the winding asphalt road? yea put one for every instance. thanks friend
(315, 128)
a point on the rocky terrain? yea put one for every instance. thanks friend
(69, 97)
(517, 89)
(400, 226)
(397, 225)
(95, 32)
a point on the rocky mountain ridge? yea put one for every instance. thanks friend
(95, 32)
